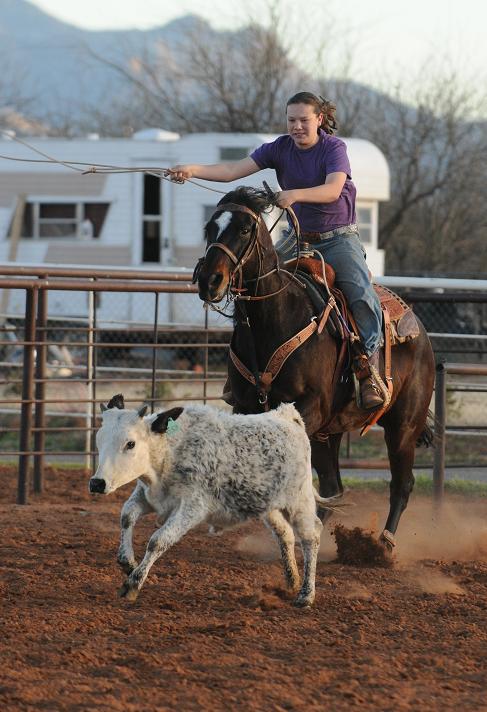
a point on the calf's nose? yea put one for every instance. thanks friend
(97, 485)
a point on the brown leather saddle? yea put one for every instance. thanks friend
(399, 325)
(403, 323)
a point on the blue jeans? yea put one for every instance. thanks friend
(346, 255)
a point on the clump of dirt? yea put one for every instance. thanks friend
(356, 547)
(268, 598)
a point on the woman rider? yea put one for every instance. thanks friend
(313, 169)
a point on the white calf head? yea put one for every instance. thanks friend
(126, 444)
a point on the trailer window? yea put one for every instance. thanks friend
(365, 223)
(51, 220)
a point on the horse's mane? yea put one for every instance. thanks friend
(254, 198)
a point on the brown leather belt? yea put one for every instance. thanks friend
(319, 236)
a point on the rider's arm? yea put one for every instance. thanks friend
(328, 192)
(221, 172)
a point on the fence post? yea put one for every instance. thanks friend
(89, 380)
(27, 393)
(206, 363)
(94, 363)
(440, 426)
(40, 391)
(154, 351)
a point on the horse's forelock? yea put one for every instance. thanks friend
(253, 198)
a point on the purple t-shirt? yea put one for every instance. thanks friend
(307, 168)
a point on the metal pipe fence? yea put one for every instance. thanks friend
(49, 407)
(441, 394)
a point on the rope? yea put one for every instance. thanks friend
(95, 167)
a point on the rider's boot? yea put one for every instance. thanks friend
(372, 393)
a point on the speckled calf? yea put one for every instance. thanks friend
(199, 464)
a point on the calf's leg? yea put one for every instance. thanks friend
(308, 528)
(284, 534)
(135, 507)
(179, 522)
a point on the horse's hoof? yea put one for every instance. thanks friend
(388, 540)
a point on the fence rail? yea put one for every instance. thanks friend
(156, 362)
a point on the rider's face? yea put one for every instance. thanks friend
(302, 124)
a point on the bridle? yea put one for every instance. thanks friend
(236, 282)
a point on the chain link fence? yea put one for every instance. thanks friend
(89, 334)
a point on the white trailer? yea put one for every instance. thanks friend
(134, 219)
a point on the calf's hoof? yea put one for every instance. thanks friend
(129, 592)
(304, 600)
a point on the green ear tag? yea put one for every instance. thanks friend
(172, 427)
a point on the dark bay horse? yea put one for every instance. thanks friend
(241, 261)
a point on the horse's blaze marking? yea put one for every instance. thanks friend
(223, 221)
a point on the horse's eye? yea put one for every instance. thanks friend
(245, 231)
(130, 445)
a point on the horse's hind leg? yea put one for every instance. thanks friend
(324, 458)
(400, 446)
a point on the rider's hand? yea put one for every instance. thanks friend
(179, 174)
(285, 199)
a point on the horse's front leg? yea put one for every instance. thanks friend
(180, 521)
(324, 458)
(135, 507)
(324, 455)
(309, 407)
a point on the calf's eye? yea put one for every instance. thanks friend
(130, 445)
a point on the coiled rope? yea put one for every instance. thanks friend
(102, 168)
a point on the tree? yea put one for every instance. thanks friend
(233, 81)
(15, 101)
(437, 156)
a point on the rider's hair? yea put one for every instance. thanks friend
(320, 106)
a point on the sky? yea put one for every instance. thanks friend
(388, 39)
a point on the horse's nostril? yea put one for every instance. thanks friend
(215, 280)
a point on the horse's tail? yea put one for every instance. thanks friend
(427, 437)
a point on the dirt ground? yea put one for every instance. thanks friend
(213, 628)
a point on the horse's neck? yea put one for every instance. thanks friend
(279, 316)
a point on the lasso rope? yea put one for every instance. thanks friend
(102, 168)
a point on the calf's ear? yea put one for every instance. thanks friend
(159, 425)
(116, 402)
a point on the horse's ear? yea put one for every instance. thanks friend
(160, 424)
(142, 411)
(103, 407)
(116, 402)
